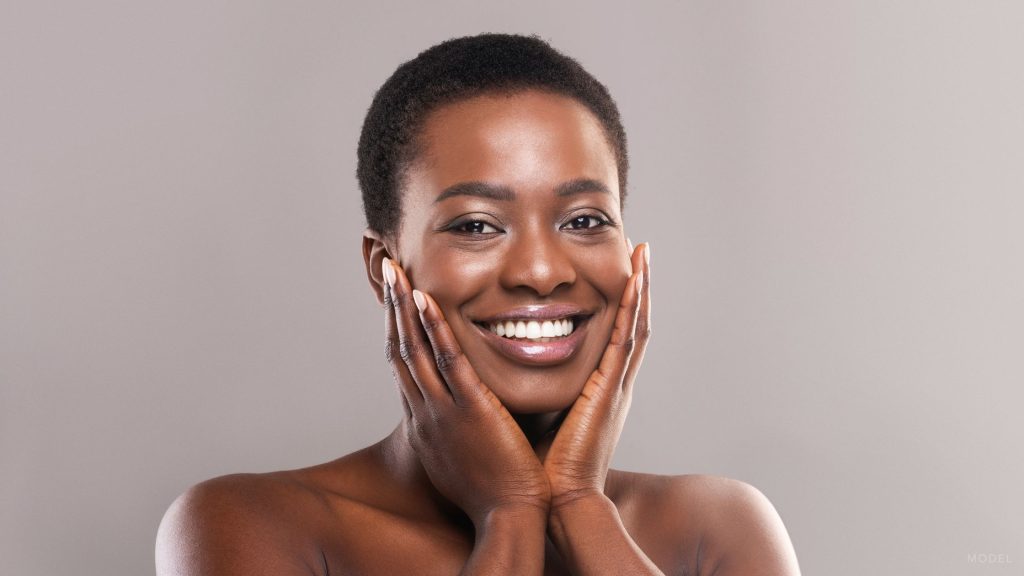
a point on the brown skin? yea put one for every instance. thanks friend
(499, 466)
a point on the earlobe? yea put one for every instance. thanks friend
(375, 250)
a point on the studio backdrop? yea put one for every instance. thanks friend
(832, 192)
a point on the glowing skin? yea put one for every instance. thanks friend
(482, 257)
(483, 475)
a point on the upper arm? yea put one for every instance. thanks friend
(746, 536)
(225, 527)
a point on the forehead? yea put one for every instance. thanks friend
(529, 141)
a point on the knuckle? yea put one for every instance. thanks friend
(408, 349)
(430, 325)
(437, 418)
(420, 431)
(389, 349)
(446, 360)
(643, 333)
(601, 381)
(628, 343)
(401, 301)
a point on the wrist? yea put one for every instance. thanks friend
(570, 500)
(509, 539)
(579, 509)
(519, 514)
(587, 531)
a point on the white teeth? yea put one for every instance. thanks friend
(547, 329)
(532, 329)
(520, 329)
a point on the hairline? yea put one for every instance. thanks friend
(414, 152)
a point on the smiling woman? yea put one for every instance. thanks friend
(526, 229)
(517, 313)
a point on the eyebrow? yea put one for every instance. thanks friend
(580, 186)
(504, 193)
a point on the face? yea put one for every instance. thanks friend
(511, 221)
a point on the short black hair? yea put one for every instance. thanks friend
(455, 70)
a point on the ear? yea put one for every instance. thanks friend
(375, 250)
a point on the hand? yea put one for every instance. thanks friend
(470, 446)
(577, 461)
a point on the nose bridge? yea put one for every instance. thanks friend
(537, 259)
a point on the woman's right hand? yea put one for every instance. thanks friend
(470, 446)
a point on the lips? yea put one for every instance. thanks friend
(536, 312)
(535, 348)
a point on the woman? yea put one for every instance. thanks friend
(517, 313)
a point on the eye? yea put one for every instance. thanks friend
(474, 227)
(586, 222)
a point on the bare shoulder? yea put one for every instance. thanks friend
(725, 526)
(242, 523)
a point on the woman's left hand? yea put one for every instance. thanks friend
(577, 460)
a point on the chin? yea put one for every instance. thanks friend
(537, 390)
(529, 401)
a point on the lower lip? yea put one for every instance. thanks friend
(536, 352)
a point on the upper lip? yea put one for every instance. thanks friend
(537, 312)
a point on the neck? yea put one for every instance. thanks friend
(540, 429)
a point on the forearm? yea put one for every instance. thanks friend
(590, 537)
(509, 541)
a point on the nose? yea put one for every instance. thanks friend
(537, 261)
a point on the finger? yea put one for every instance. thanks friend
(453, 365)
(612, 367)
(413, 346)
(405, 405)
(406, 409)
(410, 393)
(642, 333)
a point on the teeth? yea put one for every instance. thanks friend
(532, 329)
(547, 329)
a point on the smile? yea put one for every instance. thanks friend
(536, 335)
(532, 329)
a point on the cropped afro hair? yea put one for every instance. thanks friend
(456, 70)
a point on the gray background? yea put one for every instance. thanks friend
(832, 190)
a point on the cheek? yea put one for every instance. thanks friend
(609, 272)
(452, 281)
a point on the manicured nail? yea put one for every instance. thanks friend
(647, 253)
(389, 272)
(639, 282)
(421, 302)
(630, 244)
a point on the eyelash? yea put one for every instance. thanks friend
(601, 222)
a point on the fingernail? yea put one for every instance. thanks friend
(389, 272)
(647, 253)
(630, 244)
(639, 282)
(421, 302)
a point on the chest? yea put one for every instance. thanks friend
(365, 540)
(383, 548)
